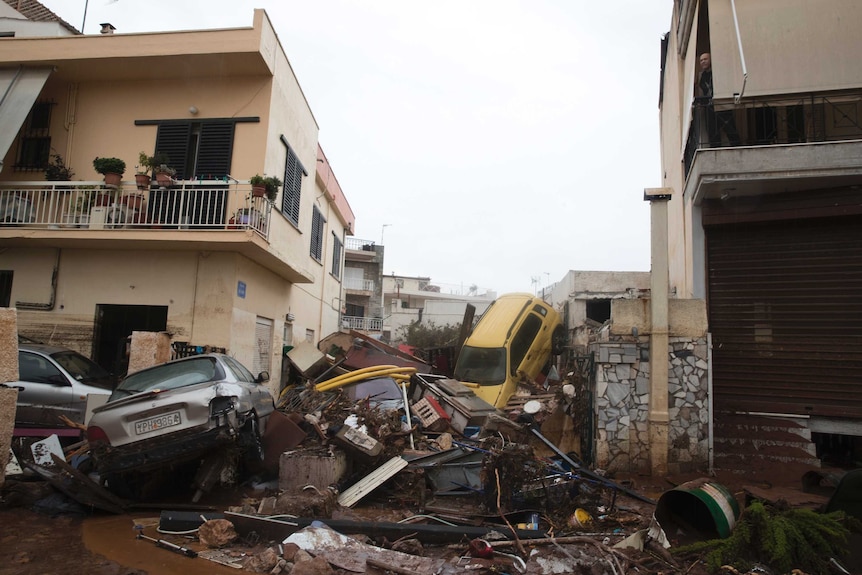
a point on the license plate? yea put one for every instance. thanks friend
(158, 422)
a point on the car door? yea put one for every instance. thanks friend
(44, 393)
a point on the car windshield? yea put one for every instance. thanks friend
(170, 376)
(482, 365)
(83, 369)
(378, 389)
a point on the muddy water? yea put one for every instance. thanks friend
(114, 537)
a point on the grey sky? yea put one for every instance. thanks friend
(505, 142)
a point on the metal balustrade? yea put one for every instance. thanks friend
(362, 323)
(359, 284)
(359, 245)
(188, 205)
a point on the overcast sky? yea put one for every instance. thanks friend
(495, 143)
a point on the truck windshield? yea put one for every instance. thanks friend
(482, 365)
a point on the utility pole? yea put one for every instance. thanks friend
(383, 229)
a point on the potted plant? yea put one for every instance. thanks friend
(264, 186)
(272, 185)
(160, 165)
(112, 168)
(258, 186)
(142, 171)
(57, 170)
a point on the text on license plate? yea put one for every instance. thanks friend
(159, 422)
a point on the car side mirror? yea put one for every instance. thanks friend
(262, 377)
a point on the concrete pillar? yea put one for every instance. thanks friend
(8, 372)
(658, 414)
(148, 349)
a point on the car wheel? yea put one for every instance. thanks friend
(558, 340)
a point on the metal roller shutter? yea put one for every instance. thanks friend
(785, 310)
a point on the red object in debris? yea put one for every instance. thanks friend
(481, 548)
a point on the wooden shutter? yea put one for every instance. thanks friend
(292, 187)
(215, 150)
(317, 222)
(172, 139)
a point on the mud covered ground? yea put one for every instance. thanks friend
(62, 543)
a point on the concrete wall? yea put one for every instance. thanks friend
(571, 294)
(623, 385)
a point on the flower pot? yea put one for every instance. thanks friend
(164, 179)
(134, 201)
(258, 191)
(102, 200)
(112, 179)
(142, 180)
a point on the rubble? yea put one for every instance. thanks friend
(418, 475)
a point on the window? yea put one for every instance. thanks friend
(293, 173)
(599, 310)
(197, 150)
(35, 144)
(337, 250)
(317, 222)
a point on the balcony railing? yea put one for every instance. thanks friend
(766, 122)
(359, 284)
(197, 205)
(359, 245)
(362, 323)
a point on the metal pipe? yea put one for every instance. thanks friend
(738, 96)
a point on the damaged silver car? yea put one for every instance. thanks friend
(185, 410)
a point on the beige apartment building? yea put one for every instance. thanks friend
(201, 257)
(765, 213)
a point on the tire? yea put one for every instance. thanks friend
(558, 340)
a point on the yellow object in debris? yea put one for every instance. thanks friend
(401, 373)
(580, 518)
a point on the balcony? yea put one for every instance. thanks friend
(94, 206)
(359, 285)
(362, 323)
(211, 215)
(773, 145)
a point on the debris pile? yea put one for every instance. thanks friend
(388, 468)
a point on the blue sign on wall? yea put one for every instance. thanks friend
(240, 289)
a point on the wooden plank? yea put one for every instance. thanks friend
(371, 481)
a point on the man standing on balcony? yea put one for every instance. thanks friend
(716, 122)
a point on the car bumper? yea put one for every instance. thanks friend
(177, 448)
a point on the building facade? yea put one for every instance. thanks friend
(363, 287)
(761, 143)
(408, 299)
(86, 263)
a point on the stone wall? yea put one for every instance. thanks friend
(622, 403)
